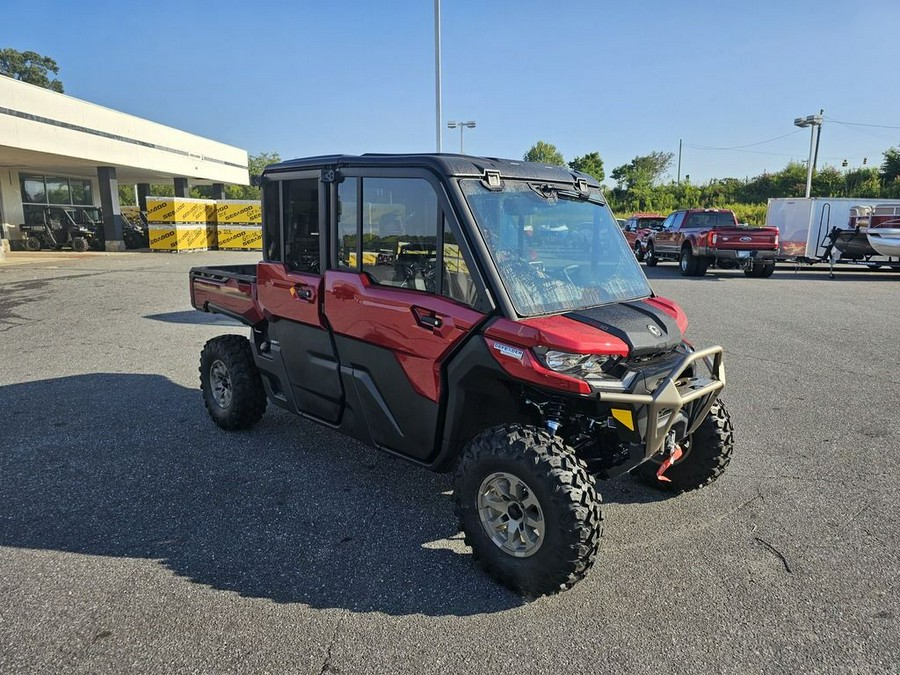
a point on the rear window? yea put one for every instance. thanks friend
(710, 220)
(654, 223)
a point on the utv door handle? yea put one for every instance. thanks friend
(432, 322)
(302, 293)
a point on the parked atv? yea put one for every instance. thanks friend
(57, 228)
(529, 367)
(135, 232)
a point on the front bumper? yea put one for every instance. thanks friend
(676, 399)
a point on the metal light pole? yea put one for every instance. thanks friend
(811, 121)
(437, 72)
(462, 126)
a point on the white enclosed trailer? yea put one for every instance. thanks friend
(804, 224)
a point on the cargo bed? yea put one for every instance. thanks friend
(228, 290)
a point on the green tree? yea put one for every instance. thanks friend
(828, 182)
(890, 168)
(30, 67)
(126, 195)
(864, 182)
(545, 153)
(591, 164)
(643, 171)
(255, 165)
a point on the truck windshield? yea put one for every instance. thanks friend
(555, 250)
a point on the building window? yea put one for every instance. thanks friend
(56, 191)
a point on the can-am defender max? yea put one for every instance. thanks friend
(490, 345)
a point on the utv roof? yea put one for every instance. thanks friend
(442, 164)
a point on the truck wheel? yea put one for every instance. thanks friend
(687, 264)
(529, 509)
(32, 244)
(638, 251)
(707, 452)
(232, 388)
(760, 271)
(79, 244)
(702, 266)
(650, 257)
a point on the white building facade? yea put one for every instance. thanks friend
(56, 150)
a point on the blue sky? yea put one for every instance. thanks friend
(621, 78)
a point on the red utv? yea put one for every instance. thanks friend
(529, 367)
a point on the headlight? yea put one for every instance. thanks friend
(578, 365)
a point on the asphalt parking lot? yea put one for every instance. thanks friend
(135, 535)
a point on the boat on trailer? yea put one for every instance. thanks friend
(883, 232)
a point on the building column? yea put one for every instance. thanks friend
(181, 187)
(218, 191)
(143, 193)
(4, 242)
(109, 203)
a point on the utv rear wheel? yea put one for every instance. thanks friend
(32, 244)
(232, 387)
(706, 453)
(650, 257)
(529, 509)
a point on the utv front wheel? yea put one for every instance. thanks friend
(529, 509)
(232, 388)
(705, 454)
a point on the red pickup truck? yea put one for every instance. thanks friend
(699, 238)
(637, 231)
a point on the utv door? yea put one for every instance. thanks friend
(400, 297)
(290, 284)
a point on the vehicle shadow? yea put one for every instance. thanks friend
(193, 317)
(131, 465)
(671, 272)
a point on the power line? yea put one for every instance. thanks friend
(751, 152)
(873, 134)
(861, 124)
(747, 145)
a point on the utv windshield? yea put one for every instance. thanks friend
(555, 249)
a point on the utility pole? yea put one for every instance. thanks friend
(678, 180)
(437, 72)
(811, 121)
(818, 136)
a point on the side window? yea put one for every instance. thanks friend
(348, 224)
(458, 284)
(667, 223)
(301, 224)
(399, 232)
(679, 217)
(272, 224)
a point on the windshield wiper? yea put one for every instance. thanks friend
(551, 194)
